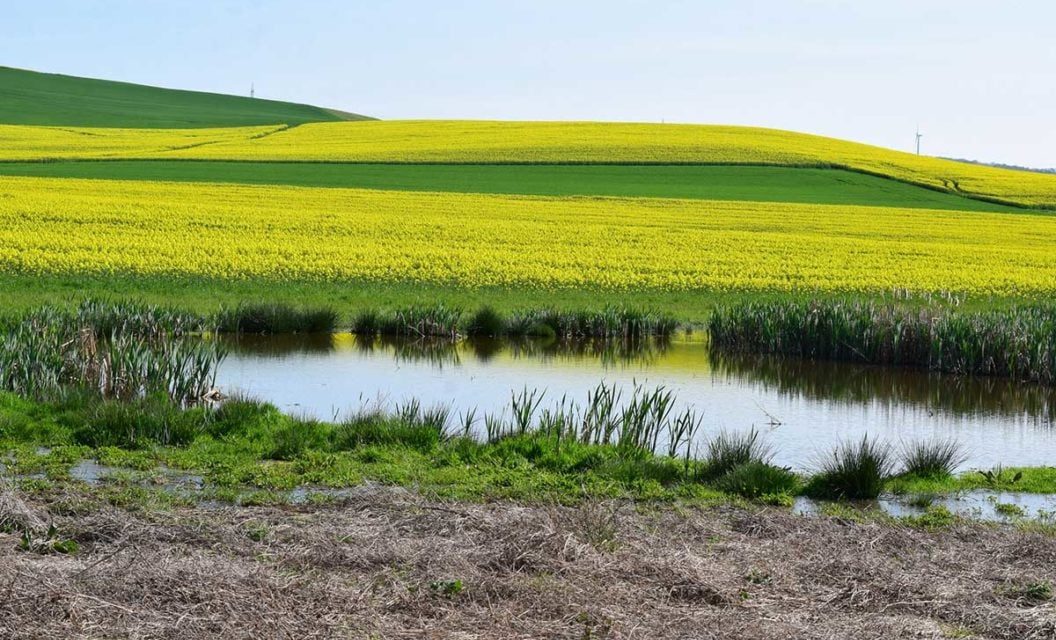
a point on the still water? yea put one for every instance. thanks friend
(801, 408)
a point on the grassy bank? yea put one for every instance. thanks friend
(249, 451)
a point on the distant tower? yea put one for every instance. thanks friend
(253, 94)
(919, 136)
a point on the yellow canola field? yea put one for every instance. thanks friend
(65, 226)
(20, 143)
(592, 142)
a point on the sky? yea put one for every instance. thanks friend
(979, 78)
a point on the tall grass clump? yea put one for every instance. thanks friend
(611, 322)
(121, 353)
(366, 323)
(853, 471)
(937, 459)
(422, 321)
(486, 322)
(138, 423)
(274, 318)
(640, 422)
(1018, 343)
(757, 479)
(409, 426)
(729, 450)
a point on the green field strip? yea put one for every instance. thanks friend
(738, 183)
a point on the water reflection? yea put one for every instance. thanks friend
(444, 351)
(851, 383)
(803, 407)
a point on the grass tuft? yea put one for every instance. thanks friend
(273, 318)
(853, 471)
(756, 479)
(486, 322)
(938, 459)
(728, 451)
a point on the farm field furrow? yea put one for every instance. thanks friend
(745, 183)
(288, 234)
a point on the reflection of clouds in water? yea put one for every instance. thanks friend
(802, 408)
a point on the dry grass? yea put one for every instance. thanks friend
(382, 564)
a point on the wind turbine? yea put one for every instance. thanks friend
(253, 92)
(919, 136)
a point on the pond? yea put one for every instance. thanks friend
(801, 408)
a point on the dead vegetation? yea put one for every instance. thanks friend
(391, 564)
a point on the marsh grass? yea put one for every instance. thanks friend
(422, 321)
(275, 318)
(486, 322)
(853, 471)
(611, 322)
(138, 424)
(730, 450)
(366, 323)
(1019, 342)
(439, 320)
(409, 426)
(757, 479)
(936, 459)
(563, 449)
(121, 352)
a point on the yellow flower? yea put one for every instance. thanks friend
(67, 226)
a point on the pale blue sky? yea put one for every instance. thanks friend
(979, 77)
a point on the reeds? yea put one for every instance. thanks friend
(439, 320)
(275, 318)
(757, 479)
(1018, 343)
(854, 471)
(120, 351)
(729, 450)
(936, 459)
(643, 421)
(486, 322)
(611, 322)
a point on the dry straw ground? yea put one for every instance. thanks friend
(384, 564)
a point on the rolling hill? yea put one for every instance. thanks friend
(32, 98)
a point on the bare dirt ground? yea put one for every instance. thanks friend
(391, 564)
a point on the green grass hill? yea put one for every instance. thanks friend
(32, 98)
